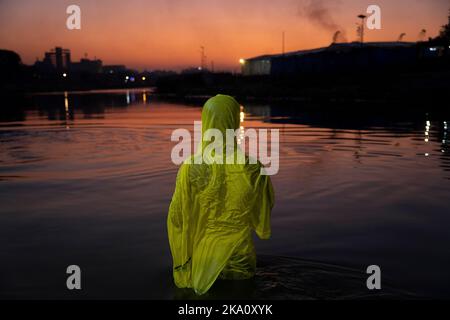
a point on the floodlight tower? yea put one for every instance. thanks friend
(361, 27)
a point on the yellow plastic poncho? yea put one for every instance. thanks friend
(214, 209)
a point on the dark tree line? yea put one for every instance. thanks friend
(445, 30)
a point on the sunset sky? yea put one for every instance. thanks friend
(167, 34)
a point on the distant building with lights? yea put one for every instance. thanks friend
(58, 60)
(338, 57)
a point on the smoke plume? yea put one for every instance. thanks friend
(318, 13)
(321, 15)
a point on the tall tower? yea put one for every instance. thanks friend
(202, 58)
(361, 27)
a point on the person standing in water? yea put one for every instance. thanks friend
(215, 208)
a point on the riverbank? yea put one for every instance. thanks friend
(411, 86)
(406, 89)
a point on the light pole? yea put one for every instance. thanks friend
(361, 27)
(202, 58)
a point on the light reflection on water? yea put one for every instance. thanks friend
(86, 178)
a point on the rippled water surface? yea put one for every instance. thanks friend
(86, 178)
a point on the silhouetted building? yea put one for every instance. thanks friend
(338, 57)
(58, 58)
(55, 60)
(86, 66)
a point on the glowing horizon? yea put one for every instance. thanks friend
(168, 34)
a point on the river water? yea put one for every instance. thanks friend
(86, 179)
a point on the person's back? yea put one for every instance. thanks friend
(214, 209)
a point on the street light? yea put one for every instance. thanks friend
(64, 74)
(241, 61)
(361, 30)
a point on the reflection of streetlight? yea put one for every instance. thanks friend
(241, 136)
(66, 107)
(241, 61)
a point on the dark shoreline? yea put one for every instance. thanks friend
(407, 90)
(415, 87)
